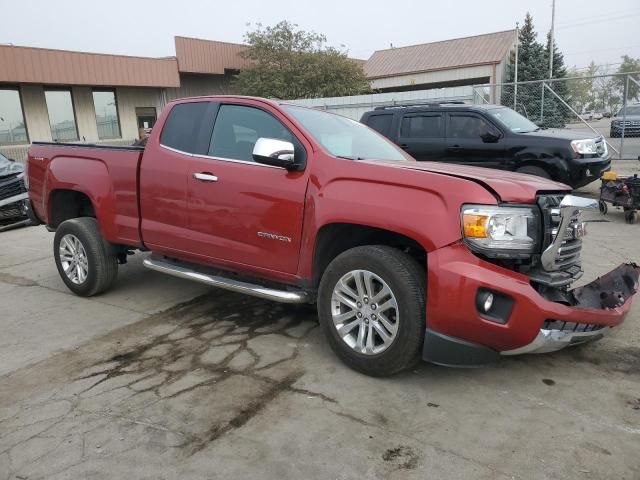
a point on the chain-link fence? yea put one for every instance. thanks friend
(605, 105)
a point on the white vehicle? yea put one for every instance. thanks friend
(597, 116)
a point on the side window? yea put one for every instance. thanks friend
(183, 127)
(381, 123)
(421, 126)
(237, 129)
(469, 126)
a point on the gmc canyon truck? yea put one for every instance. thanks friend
(454, 264)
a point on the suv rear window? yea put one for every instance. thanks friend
(186, 127)
(381, 123)
(421, 126)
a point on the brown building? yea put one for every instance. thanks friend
(56, 95)
(51, 95)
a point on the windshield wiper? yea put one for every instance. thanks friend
(347, 157)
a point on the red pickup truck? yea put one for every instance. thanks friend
(453, 264)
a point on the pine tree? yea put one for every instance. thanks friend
(531, 66)
(555, 114)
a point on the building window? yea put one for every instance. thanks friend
(13, 130)
(62, 118)
(106, 107)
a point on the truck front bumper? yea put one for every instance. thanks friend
(459, 334)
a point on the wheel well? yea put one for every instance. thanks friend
(336, 238)
(550, 169)
(67, 204)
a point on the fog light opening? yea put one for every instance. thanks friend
(488, 303)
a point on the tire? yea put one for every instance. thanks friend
(96, 268)
(630, 216)
(406, 281)
(603, 207)
(533, 170)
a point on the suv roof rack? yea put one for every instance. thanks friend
(428, 104)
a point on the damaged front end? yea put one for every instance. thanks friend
(559, 266)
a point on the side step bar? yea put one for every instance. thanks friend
(284, 296)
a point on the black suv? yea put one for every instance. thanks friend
(492, 136)
(627, 119)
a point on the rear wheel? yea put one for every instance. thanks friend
(83, 259)
(533, 170)
(371, 305)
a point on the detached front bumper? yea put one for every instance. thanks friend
(458, 334)
(612, 290)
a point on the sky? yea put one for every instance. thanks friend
(586, 30)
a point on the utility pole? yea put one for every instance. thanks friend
(551, 44)
(515, 70)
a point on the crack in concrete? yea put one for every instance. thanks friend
(202, 343)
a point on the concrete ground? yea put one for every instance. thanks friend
(161, 378)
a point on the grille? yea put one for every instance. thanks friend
(12, 188)
(568, 255)
(10, 212)
(631, 123)
(571, 326)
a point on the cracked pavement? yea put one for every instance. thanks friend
(162, 378)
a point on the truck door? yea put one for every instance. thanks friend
(472, 140)
(241, 212)
(163, 176)
(421, 135)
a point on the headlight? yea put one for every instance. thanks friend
(501, 232)
(584, 147)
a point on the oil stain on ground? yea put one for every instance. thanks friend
(194, 373)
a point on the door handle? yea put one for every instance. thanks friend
(454, 148)
(205, 177)
(404, 146)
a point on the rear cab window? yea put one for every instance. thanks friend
(188, 127)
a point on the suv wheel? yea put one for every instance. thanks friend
(533, 170)
(371, 305)
(82, 257)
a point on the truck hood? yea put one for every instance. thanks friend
(507, 186)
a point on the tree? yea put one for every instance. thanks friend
(533, 64)
(291, 63)
(555, 114)
(629, 65)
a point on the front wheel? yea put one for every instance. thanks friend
(371, 305)
(83, 259)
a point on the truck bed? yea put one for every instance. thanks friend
(109, 180)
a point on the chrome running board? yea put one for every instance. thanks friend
(283, 296)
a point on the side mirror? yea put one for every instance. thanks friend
(489, 137)
(277, 153)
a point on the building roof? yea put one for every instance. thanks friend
(208, 56)
(62, 67)
(196, 55)
(484, 49)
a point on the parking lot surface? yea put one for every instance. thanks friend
(161, 378)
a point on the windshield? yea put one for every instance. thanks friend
(346, 138)
(632, 110)
(513, 120)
